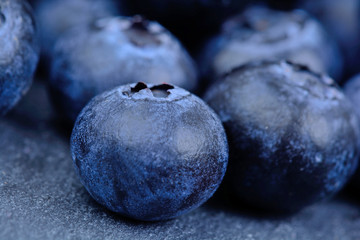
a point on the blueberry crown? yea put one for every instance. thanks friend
(163, 91)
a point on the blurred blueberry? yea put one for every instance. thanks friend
(293, 136)
(57, 16)
(112, 52)
(19, 51)
(261, 33)
(342, 20)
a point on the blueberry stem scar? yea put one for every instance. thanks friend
(158, 91)
(140, 23)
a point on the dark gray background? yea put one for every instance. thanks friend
(41, 197)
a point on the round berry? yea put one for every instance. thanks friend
(149, 152)
(293, 136)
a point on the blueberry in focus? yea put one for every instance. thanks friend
(57, 16)
(112, 52)
(149, 152)
(293, 136)
(19, 51)
(260, 33)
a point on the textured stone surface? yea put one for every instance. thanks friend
(41, 197)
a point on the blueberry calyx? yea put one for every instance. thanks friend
(161, 91)
(140, 33)
(157, 91)
(296, 71)
(139, 86)
(140, 23)
(303, 68)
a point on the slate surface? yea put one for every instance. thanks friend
(41, 197)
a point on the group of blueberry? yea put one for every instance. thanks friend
(283, 131)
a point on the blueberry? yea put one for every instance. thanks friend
(56, 16)
(19, 51)
(112, 52)
(190, 20)
(342, 20)
(293, 136)
(260, 33)
(149, 152)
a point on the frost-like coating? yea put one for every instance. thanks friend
(19, 51)
(113, 52)
(150, 157)
(293, 136)
(260, 33)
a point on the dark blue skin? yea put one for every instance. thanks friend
(55, 17)
(293, 136)
(190, 20)
(31, 2)
(19, 51)
(149, 152)
(342, 20)
(352, 91)
(260, 33)
(115, 51)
